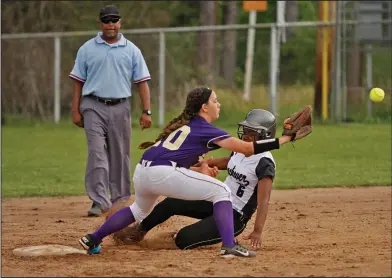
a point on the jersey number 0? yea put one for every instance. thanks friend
(173, 146)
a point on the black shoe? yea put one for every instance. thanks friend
(90, 244)
(95, 210)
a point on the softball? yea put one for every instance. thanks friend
(377, 95)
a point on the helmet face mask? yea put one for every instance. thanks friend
(259, 124)
(257, 134)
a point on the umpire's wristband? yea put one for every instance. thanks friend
(261, 146)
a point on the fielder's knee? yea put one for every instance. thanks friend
(223, 194)
(138, 213)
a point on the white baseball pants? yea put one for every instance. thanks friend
(150, 182)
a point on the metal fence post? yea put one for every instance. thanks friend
(57, 70)
(337, 80)
(161, 79)
(344, 64)
(273, 60)
(249, 56)
(369, 78)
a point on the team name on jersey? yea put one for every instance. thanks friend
(241, 178)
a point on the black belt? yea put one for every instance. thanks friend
(107, 101)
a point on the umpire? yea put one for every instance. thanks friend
(102, 74)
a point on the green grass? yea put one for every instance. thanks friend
(49, 160)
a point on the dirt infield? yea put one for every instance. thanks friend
(309, 232)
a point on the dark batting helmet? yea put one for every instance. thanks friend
(258, 122)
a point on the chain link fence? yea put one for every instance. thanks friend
(29, 87)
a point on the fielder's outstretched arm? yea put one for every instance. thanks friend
(250, 148)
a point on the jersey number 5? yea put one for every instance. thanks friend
(173, 146)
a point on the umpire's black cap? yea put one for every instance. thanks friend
(109, 10)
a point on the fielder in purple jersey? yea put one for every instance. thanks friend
(166, 170)
(188, 143)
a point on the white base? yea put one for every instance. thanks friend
(47, 250)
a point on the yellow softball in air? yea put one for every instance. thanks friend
(377, 94)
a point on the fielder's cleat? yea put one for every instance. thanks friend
(90, 244)
(236, 250)
(95, 250)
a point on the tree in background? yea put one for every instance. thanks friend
(291, 14)
(206, 54)
(28, 66)
(27, 80)
(229, 41)
(354, 71)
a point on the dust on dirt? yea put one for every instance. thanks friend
(309, 232)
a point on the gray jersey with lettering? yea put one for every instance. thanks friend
(244, 173)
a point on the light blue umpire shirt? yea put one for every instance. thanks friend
(107, 70)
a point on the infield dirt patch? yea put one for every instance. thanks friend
(318, 232)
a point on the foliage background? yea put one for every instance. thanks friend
(27, 65)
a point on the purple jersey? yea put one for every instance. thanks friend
(186, 144)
